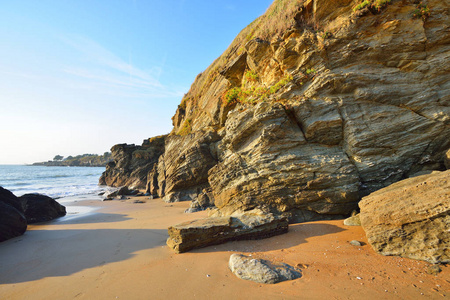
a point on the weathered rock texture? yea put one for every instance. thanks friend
(262, 271)
(131, 164)
(313, 106)
(212, 231)
(40, 208)
(183, 169)
(12, 220)
(410, 218)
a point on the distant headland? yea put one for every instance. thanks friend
(83, 160)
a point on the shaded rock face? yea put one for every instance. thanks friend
(40, 208)
(203, 201)
(410, 218)
(262, 271)
(131, 164)
(12, 220)
(212, 231)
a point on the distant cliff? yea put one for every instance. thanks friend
(314, 105)
(84, 160)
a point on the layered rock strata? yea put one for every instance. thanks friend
(410, 218)
(212, 231)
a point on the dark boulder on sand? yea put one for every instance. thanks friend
(12, 219)
(41, 208)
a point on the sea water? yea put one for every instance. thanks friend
(62, 183)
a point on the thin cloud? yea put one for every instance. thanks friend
(110, 71)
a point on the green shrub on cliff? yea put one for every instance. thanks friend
(254, 94)
(186, 128)
(280, 84)
(251, 76)
(422, 11)
(374, 5)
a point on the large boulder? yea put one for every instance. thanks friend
(410, 218)
(212, 231)
(12, 220)
(261, 270)
(41, 208)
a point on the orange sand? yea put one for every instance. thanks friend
(119, 252)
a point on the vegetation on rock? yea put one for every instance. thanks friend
(422, 11)
(254, 94)
(186, 128)
(373, 5)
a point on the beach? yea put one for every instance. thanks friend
(116, 250)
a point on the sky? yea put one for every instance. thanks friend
(79, 76)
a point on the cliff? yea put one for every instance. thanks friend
(314, 105)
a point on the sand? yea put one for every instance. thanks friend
(118, 252)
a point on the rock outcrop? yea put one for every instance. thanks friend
(315, 105)
(262, 271)
(12, 220)
(410, 218)
(131, 164)
(40, 208)
(212, 231)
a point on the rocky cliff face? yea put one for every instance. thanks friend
(314, 105)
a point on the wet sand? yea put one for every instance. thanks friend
(118, 251)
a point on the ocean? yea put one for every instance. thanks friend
(62, 183)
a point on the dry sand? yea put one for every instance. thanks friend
(119, 252)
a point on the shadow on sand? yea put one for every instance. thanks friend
(50, 253)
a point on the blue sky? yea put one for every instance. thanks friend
(80, 76)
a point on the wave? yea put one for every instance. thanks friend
(21, 184)
(56, 176)
(55, 182)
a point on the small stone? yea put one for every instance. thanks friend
(355, 243)
(434, 269)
